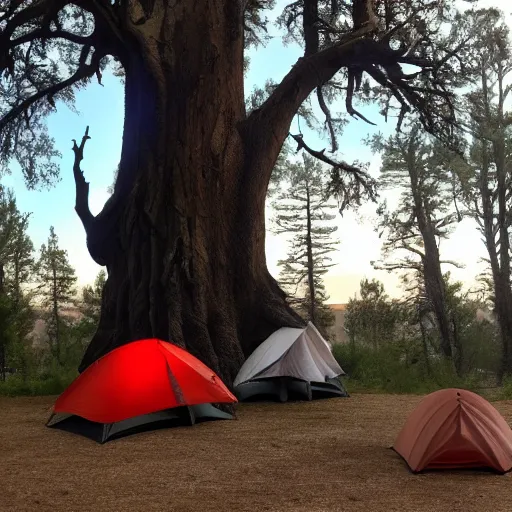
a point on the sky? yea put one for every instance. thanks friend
(102, 108)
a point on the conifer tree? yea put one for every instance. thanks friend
(486, 173)
(303, 212)
(19, 266)
(91, 298)
(372, 318)
(15, 267)
(19, 274)
(423, 217)
(57, 280)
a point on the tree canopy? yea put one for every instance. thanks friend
(404, 55)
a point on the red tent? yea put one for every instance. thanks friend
(137, 385)
(454, 428)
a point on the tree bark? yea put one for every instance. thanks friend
(435, 289)
(183, 236)
(503, 304)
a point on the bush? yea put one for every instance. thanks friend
(387, 370)
(45, 384)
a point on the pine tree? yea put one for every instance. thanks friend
(9, 216)
(79, 334)
(486, 173)
(15, 254)
(19, 272)
(373, 317)
(425, 214)
(91, 298)
(19, 266)
(303, 212)
(57, 280)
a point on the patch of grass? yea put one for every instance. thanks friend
(46, 384)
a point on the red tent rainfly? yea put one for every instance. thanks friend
(455, 429)
(141, 385)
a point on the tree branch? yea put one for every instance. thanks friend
(309, 19)
(353, 81)
(453, 263)
(328, 119)
(82, 186)
(321, 156)
(412, 249)
(389, 267)
(83, 71)
(46, 33)
(307, 74)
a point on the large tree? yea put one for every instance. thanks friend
(425, 213)
(183, 235)
(486, 175)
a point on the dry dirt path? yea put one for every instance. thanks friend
(327, 455)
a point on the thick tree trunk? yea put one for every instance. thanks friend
(434, 282)
(183, 236)
(496, 224)
(503, 291)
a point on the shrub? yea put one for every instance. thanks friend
(387, 369)
(50, 383)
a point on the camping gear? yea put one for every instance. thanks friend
(291, 363)
(142, 385)
(455, 428)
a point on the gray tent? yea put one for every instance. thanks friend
(291, 363)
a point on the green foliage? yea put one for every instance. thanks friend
(90, 307)
(41, 370)
(373, 318)
(386, 369)
(413, 165)
(91, 297)
(387, 352)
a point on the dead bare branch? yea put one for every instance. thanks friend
(82, 186)
(328, 119)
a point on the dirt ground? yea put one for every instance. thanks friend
(330, 455)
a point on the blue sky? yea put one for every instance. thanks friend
(102, 108)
